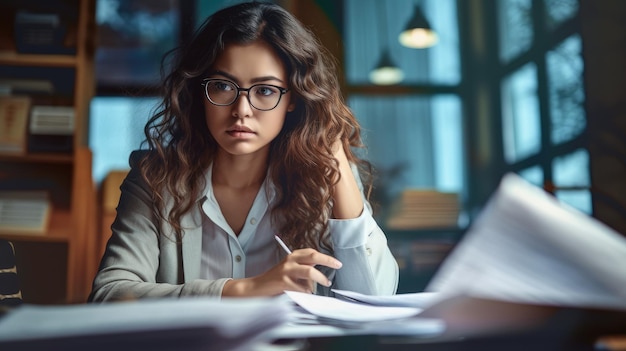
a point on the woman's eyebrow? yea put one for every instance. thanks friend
(254, 80)
(224, 74)
(265, 79)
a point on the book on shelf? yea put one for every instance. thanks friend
(38, 32)
(51, 128)
(424, 208)
(14, 112)
(24, 212)
(26, 86)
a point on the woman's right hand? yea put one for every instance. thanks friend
(296, 272)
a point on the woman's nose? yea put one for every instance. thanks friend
(241, 106)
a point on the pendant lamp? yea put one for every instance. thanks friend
(385, 72)
(418, 33)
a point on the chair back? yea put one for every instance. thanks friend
(10, 292)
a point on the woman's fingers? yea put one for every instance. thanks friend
(308, 274)
(301, 266)
(313, 257)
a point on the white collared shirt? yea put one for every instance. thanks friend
(254, 251)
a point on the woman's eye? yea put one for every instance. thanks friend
(266, 90)
(223, 86)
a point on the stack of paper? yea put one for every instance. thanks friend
(166, 324)
(358, 314)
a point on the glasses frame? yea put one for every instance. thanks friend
(205, 82)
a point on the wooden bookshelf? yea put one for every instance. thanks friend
(55, 157)
(14, 59)
(56, 266)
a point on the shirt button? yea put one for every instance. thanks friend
(369, 251)
(238, 258)
(253, 221)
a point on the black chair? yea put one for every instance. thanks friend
(10, 292)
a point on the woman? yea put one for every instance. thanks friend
(252, 140)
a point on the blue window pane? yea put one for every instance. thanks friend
(413, 142)
(533, 175)
(572, 170)
(447, 133)
(116, 129)
(565, 69)
(521, 128)
(371, 26)
(578, 199)
(558, 11)
(515, 27)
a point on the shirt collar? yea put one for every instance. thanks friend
(268, 186)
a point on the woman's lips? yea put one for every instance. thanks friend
(240, 132)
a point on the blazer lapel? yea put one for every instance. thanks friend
(192, 243)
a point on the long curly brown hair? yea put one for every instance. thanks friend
(301, 164)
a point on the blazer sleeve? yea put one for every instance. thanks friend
(131, 266)
(369, 267)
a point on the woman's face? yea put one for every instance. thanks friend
(240, 128)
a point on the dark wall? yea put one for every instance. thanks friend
(604, 51)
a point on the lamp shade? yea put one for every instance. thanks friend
(386, 72)
(418, 34)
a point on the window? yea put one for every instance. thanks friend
(515, 28)
(565, 86)
(413, 130)
(520, 114)
(371, 26)
(543, 117)
(115, 130)
(573, 184)
(133, 35)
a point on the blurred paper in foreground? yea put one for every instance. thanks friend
(164, 324)
(526, 247)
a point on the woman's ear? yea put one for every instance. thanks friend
(291, 107)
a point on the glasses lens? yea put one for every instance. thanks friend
(221, 92)
(264, 97)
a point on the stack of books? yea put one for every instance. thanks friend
(24, 212)
(422, 209)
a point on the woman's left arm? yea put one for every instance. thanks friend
(358, 242)
(347, 197)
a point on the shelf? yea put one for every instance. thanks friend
(58, 265)
(58, 158)
(451, 233)
(14, 59)
(59, 230)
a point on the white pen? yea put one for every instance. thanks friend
(282, 244)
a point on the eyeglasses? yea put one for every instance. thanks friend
(222, 92)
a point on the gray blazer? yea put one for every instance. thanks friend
(138, 262)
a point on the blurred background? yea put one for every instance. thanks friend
(485, 87)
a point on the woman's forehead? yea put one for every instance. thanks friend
(250, 62)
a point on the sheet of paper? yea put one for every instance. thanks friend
(418, 300)
(414, 326)
(339, 310)
(527, 247)
(304, 324)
